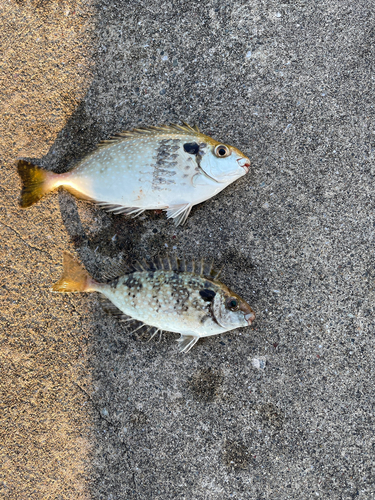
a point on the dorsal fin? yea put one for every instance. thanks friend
(190, 267)
(158, 263)
(174, 262)
(182, 265)
(160, 130)
(140, 266)
(200, 267)
(214, 274)
(166, 262)
(117, 270)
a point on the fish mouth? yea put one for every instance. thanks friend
(244, 163)
(250, 318)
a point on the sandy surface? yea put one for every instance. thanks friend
(281, 410)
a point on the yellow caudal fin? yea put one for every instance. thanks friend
(75, 278)
(34, 183)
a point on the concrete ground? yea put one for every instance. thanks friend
(281, 410)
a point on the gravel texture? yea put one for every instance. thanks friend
(281, 410)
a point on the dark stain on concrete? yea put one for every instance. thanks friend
(236, 455)
(205, 384)
(139, 419)
(272, 415)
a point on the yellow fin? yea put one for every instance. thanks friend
(75, 278)
(34, 184)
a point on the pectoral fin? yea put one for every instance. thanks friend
(186, 342)
(179, 213)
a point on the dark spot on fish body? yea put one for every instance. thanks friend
(161, 180)
(207, 295)
(132, 282)
(167, 173)
(205, 318)
(173, 279)
(163, 154)
(191, 148)
(180, 292)
(196, 304)
(114, 283)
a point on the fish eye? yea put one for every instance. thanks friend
(222, 151)
(232, 304)
(191, 148)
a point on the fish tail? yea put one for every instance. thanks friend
(75, 278)
(35, 183)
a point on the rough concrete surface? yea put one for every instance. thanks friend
(281, 410)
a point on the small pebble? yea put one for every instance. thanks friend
(259, 363)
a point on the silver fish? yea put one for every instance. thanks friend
(171, 168)
(170, 295)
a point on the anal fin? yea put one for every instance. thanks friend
(113, 310)
(121, 209)
(186, 342)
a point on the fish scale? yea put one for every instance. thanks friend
(170, 168)
(167, 296)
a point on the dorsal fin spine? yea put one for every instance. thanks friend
(128, 134)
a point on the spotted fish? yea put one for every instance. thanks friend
(171, 168)
(166, 295)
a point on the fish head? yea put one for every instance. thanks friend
(222, 162)
(230, 310)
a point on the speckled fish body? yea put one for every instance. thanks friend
(178, 298)
(170, 168)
